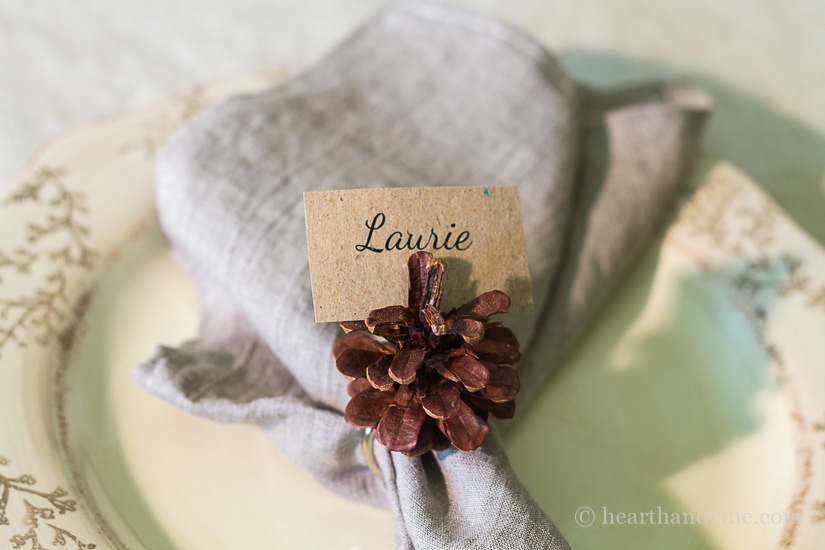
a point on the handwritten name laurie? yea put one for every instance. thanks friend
(397, 240)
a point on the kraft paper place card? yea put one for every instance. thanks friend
(360, 239)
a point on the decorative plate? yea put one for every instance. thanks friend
(692, 415)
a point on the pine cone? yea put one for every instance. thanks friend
(425, 380)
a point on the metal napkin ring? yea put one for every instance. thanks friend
(367, 442)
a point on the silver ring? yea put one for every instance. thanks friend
(369, 456)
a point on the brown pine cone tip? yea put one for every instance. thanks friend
(425, 380)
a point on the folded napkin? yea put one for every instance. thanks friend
(421, 95)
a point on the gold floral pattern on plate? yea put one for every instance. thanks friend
(42, 513)
(737, 227)
(56, 235)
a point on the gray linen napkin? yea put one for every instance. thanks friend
(421, 95)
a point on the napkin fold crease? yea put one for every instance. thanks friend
(420, 95)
